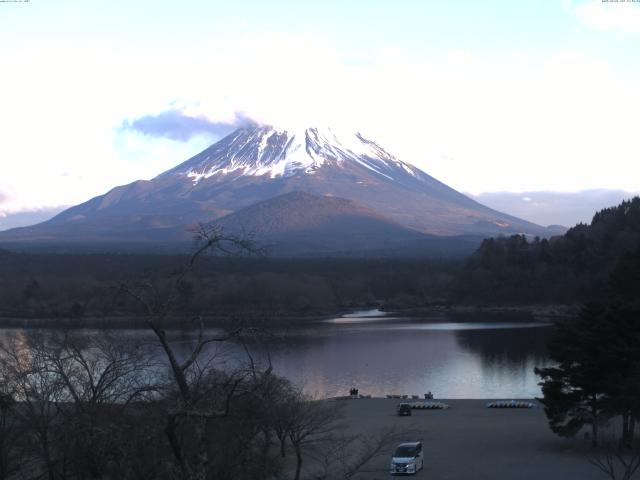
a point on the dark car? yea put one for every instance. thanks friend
(404, 409)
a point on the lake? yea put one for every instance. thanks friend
(390, 355)
(459, 357)
(488, 357)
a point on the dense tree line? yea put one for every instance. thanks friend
(565, 269)
(79, 287)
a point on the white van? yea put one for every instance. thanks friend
(408, 459)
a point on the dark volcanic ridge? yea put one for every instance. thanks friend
(302, 224)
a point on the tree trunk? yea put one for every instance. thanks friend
(628, 427)
(172, 435)
(46, 453)
(4, 460)
(283, 452)
(264, 451)
(625, 429)
(594, 434)
(178, 373)
(203, 454)
(594, 422)
(298, 462)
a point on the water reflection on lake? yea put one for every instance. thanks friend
(410, 356)
(392, 355)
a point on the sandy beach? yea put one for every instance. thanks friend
(469, 441)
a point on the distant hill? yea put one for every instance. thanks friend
(301, 224)
(554, 208)
(26, 218)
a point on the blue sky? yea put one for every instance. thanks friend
(485, 96)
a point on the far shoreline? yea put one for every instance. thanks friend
(548, 311)
(454, 313)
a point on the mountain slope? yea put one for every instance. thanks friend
(257, 163)
(299, 222)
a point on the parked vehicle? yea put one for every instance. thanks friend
(407, 459)
(404, 409)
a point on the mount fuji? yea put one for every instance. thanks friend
(318, 188)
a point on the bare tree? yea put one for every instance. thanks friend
(67, 394)
(615, 459)
(104, 369)
(95, 406)
(281, 403)
(347, 456)
(10, 433)
(101, 375)
(312, 423)
(39, 395)
(195, 380)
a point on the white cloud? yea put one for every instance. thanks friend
(619, 17)
(566, 122)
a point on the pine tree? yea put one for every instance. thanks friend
(573, 392)
(598, 372)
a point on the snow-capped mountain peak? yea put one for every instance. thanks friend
(315, 183)
(275, 152)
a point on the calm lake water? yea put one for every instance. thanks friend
(392, 355)
(463, 357)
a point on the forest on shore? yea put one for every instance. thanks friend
(515, 270)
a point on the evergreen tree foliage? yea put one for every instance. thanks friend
(597, 376)
(572, 268)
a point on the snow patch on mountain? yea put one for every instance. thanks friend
(275, 152)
